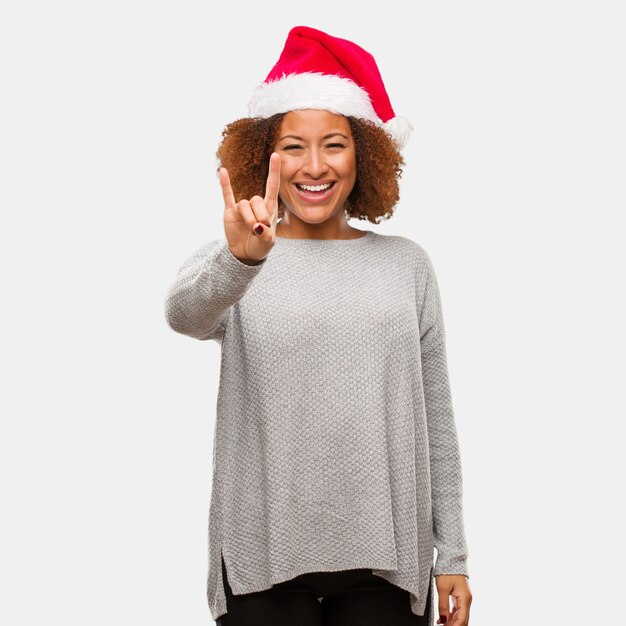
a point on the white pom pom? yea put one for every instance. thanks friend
(400, 129)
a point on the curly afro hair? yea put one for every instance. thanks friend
(247, 144)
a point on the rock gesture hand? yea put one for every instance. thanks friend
(250, 225)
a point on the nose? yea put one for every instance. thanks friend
(314, 164)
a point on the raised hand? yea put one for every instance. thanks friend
(241, 218)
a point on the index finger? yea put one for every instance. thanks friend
(227, 190)
(273, 184)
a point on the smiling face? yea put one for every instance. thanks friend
(318, 164)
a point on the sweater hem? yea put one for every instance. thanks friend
(240, 589)
(418, 602)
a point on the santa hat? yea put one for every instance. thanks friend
(318, 71)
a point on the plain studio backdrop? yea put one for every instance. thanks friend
(514, 183)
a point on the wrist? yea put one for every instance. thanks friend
(249, 261)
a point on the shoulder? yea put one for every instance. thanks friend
(209, 247)
(204, 251)
(410, 251)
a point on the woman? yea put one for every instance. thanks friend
(336, 466)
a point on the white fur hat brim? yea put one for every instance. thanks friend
(314, 90)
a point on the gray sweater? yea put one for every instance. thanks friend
(335, 445)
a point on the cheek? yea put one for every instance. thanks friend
(348, 168)
(286, 173)
(349, 174)
(284, 187)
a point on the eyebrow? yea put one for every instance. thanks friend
(324, 137)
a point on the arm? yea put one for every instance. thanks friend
(208, 283)
(445, 460)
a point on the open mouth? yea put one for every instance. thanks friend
(315, 192)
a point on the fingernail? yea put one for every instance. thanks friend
(259, 229)
(443, 619)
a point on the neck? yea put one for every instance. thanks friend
(345, 231)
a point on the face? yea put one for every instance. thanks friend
(317, 150)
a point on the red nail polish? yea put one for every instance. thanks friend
(443, 619)
(259, 229)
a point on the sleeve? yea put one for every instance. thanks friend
(209, 282)
(445, 460)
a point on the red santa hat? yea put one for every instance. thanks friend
(318, 71)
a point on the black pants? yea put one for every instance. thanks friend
(349, 598)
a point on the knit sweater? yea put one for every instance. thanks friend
(335, 445)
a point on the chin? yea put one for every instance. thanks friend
(313, 215)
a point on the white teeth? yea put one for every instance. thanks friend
(314, 187)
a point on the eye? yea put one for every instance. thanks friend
(336, 145)
(291, 146)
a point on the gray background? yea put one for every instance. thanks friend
(514, 183)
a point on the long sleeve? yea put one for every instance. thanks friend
(208, 283)
(445, 459)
